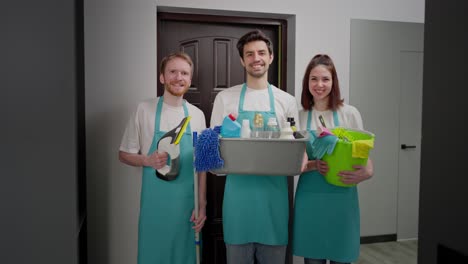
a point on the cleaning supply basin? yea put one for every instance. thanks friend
(262, 156)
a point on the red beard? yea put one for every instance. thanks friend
(176, 92)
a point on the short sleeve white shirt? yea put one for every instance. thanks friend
(139, 132)
(348, 116)
(227, 102)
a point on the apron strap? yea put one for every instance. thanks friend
(272, 99)
(157, 117)
(335, 119)
(188, 130)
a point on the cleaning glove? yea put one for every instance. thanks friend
(324, 144)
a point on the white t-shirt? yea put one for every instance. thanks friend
(348, 116)
(139, 133)
(227, 102)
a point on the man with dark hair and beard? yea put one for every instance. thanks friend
(255, 208)
(167, 219)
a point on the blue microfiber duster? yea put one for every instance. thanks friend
(206, 151)
(217, 129)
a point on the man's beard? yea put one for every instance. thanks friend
(257, 74)
(167, 87)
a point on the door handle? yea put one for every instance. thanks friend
(404, 146)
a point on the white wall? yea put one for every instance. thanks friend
(120, 65)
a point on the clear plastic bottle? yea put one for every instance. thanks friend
(257, 128)
(273, 130)
(245, 130)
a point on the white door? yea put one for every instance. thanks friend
(386, 85)
(411, 75)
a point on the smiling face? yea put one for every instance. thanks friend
(320, 83)
(177, 76)
(256, 58)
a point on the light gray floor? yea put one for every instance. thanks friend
(400, 252)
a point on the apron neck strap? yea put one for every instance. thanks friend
(335, 119)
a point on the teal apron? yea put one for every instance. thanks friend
(165, 231)
(255, 208)
(326, 217)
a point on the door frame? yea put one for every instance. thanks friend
(285, 22)
(286, 56)
(282, 24)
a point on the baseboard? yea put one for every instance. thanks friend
(407, 239)
(378, 239)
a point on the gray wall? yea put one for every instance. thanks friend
(39, 80)
(120, 52)
(377, 89)
(444, 181)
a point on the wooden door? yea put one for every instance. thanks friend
(211, 43)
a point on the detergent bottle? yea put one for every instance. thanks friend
(286, 131)
(230, 127)
(245, 130)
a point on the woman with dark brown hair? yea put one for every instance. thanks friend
(326, 220)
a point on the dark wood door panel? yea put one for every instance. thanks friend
(213, 50)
